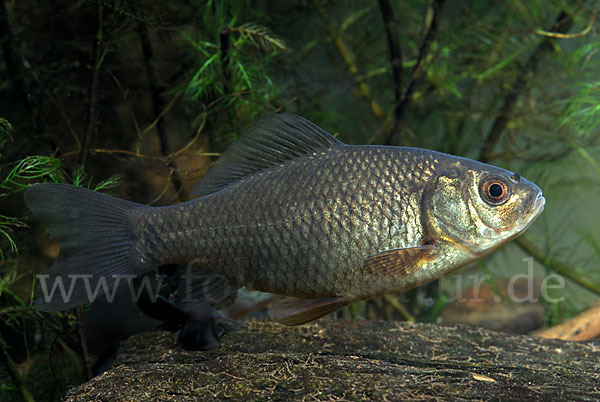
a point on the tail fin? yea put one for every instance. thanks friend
(96, 243)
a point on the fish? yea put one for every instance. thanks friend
(289, 209)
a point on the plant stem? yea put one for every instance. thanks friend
(12, 371)
(555, 265)
(350, 59)
(387, 13)
(93, 85)
(14, 68)
(562, 24)
(224, 44)
(399, 307)
(158, 105)
(83, 341)
(396, 137)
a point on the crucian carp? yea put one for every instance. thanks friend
(289, 209)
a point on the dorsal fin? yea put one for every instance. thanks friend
(272, 140)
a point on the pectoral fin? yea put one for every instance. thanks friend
(398, 262)
(296, 311)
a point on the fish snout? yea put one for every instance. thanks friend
(539, 202)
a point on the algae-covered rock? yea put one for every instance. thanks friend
(351, 360)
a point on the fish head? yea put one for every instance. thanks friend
(479, 207)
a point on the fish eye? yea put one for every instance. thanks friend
(494, 190)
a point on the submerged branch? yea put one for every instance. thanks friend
(350, 59)
(161, 159)
(158, 106)
(579, 328)
(562, 24)
(224, 45)
(387, 13)
(61, 110)
(154, 123)
(14, 69)
(96, 62)
(13, 372)
(395, 137)
(87, 360)
(399, 307)
(556, 265)
(559, 35)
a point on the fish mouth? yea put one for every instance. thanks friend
(538, 206)
(535, 211)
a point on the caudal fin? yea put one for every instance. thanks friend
(96, 244)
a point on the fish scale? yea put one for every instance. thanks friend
(289, 209)
(301, 213)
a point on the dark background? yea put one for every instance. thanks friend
(138, 98)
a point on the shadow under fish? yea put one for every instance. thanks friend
(197, 324)
(190, 308)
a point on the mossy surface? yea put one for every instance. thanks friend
(351, 360)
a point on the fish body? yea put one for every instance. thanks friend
(290, 210)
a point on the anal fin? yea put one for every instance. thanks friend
(296, 311)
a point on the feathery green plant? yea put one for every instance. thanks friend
(233, 65)
(19, 177)
(259, 36)
(16, 310)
